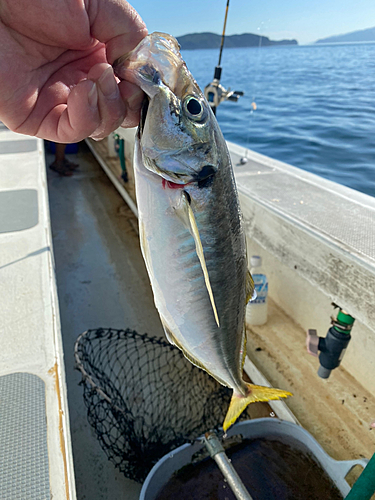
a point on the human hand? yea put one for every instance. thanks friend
(56, 78)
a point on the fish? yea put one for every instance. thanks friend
(190, 222)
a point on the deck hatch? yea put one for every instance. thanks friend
(20, 146)
(24, 471)
(18, 210)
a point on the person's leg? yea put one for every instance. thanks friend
(60, 153)
(59, 165)
(60, 156)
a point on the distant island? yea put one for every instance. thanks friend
(367, 35)
(195, 41)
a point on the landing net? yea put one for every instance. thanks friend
(143, 397)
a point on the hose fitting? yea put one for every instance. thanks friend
(332, 347)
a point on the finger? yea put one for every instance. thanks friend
(111, 107)
(118, 25)
(123, 44)
(75, 120)
(133, 97)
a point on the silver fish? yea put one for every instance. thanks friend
(191, 231)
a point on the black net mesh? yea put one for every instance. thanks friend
(144, 398)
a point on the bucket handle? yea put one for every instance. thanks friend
(343, 467)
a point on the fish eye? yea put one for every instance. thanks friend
(193, 108)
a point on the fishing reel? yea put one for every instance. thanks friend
(215, 93)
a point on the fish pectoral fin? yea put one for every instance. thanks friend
(199, 249)
(256, 393)
(250, 288)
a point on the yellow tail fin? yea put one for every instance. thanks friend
(256, 393)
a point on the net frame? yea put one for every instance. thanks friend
(144, 398)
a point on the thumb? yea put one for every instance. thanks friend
(117, 24)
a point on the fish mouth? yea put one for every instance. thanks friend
(154, 60)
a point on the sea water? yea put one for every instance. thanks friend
(315, 106)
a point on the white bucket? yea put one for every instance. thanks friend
(251, 429)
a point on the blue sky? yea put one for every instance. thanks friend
(304, 20)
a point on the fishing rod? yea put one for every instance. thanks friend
(214, 92)
(223, 34)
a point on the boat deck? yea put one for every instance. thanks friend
(101, 282)
(337, 411)
(35, 450)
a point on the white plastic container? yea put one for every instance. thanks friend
(256, 310)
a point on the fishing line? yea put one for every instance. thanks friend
(253, 93)
(215, 93)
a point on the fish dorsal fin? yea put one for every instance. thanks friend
(250, 288)
(199, 250)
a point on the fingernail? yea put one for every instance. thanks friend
(107, 83)
(93, 96)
